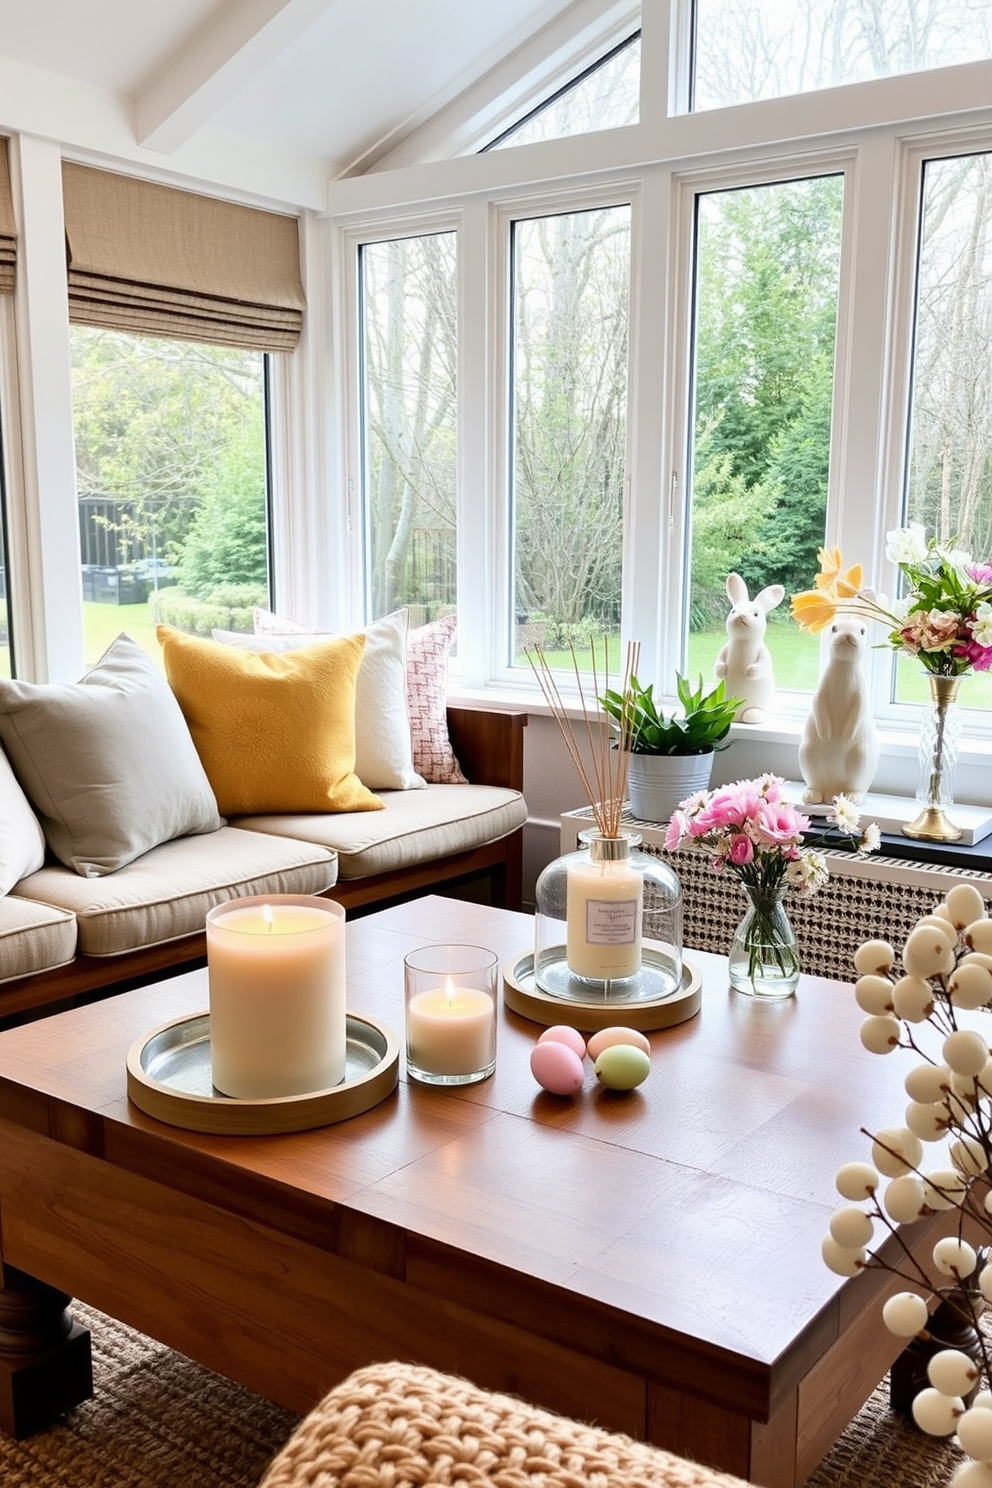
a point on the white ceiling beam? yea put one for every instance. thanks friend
(218, 62)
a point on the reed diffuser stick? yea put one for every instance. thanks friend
(604, 777)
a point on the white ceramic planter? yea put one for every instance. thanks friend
(656, 783)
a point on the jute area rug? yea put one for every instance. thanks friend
(158, 1420)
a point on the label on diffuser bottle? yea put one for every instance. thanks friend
(612, 921)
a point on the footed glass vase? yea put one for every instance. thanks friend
(764, 953)
(940, 742)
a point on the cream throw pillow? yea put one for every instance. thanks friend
(108, 762)
(383, 752)
(22, 842)
(275, 733)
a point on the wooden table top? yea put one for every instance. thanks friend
(688, 1212)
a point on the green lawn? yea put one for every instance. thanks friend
(103, 623)
(796, 660)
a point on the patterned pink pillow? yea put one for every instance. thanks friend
(427, 650)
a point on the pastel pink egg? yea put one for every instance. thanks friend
(606, 1038)
(556, 1068)
(562, 1034)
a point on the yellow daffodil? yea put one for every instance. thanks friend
(813, 609)
(847, 586)
(830, 562)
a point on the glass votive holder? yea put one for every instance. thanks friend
(450, 1014)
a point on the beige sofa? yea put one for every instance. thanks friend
(62, 934)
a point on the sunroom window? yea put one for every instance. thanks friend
(949, 484)
(746, 52)
(171, 473)
(409, 330)
(570, 299)
(605, 96)
(767, 266)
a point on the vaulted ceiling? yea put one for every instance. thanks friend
(340, 82)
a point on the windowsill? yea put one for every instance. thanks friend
(893, 743)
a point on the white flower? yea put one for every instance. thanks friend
(808, 872)
(981, 629)
(899, 609)
(844, 814)
(871, 839)
(957, 559)
(906, 544)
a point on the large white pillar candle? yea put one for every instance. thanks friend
(450, 1014)
(603, 913)
(276, 969)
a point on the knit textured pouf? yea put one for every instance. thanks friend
(390, 1425)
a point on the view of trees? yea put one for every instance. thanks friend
(606, 97)
(170, 437)
(409, 324)
(766, 284)
(747, 52)
(570, 295)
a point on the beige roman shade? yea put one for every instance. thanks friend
(150, 258)
(8, 228)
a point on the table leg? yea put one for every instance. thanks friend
(45, 1362)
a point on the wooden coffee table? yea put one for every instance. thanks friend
(650, 1261)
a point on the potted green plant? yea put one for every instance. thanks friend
(670, 756)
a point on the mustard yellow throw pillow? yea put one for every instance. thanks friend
(274, 732)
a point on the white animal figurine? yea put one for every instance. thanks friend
(839, 750)
(745, 662)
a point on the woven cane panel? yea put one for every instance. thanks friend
(853, 905)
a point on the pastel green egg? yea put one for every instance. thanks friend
(622, 1067)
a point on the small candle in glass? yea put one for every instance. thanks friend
(450, 1014)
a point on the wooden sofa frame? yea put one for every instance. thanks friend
(489, 745)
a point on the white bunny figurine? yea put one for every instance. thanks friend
(745, 662)
(839, 751)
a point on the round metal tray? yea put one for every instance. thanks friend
(168, 1077)
(524, 996)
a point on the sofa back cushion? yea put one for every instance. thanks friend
(22, 842)
(108, 762)
(427, 650)
(383, 751)
(276, 733)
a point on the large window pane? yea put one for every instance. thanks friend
(569, 366)
(171, 475)
(767, 274)
(949, 488)
(606, 96)
(748, 51)
(409, 341)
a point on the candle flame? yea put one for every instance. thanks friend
(450, 990)
(268, 917)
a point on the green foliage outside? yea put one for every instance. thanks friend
(170, 437)
(766, 304)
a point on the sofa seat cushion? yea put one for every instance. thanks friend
(34, 937)
(166, 893)
(415, 827)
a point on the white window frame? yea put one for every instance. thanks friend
(877, 133)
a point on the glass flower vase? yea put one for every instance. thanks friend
(764, 953)
(940, 742)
